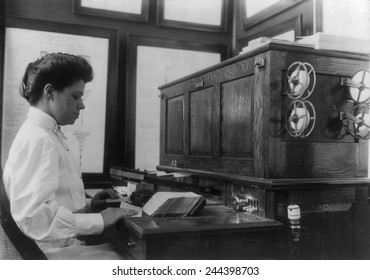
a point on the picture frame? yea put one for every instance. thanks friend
(101, 9)
(101, 137)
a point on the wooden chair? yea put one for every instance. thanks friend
(26, 247)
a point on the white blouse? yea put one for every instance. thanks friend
(44, 185)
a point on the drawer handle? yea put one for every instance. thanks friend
(131, 243)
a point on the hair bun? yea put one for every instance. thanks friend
(23, 85)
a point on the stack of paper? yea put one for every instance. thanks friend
(261, 41)
(327, 41)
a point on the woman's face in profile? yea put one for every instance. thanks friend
(67, 103)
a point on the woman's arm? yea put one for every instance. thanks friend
(32, 178)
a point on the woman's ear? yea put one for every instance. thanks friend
(48, 91)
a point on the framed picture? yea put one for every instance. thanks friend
(90, 138)
(134, 10)
(204, 15)
(254, 12)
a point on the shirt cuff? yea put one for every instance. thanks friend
(87, 224)
(88, 204)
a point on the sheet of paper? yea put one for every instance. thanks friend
(130, 206)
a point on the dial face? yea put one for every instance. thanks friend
(297, 80)
(300, 118)
(300, 80)
(359, 86)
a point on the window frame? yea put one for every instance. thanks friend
(143, 17)
(265, 14)
(161, 21)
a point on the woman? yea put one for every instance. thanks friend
(41, 179)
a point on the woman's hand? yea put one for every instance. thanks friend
(112, 215)
(98, 201)
(104, 194)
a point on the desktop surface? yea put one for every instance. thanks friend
(210, 218)
(217, 232)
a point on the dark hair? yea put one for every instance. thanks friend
(58, 69)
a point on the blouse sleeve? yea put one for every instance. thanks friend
(32, 178)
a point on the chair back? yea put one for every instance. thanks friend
(26, 247)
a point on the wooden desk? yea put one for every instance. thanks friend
(216, 233)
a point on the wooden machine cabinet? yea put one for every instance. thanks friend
(230, 118)
(280, 125)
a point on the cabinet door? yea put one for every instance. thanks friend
(200, 122)
(236, 118)
(174, 125)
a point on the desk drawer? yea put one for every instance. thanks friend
(130, 245)
(210, 246)
(219, 234)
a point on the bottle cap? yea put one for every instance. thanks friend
(294, 212)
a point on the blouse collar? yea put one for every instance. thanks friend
(42, 118)
(45, 120)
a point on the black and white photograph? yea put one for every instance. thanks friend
(185, 139)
